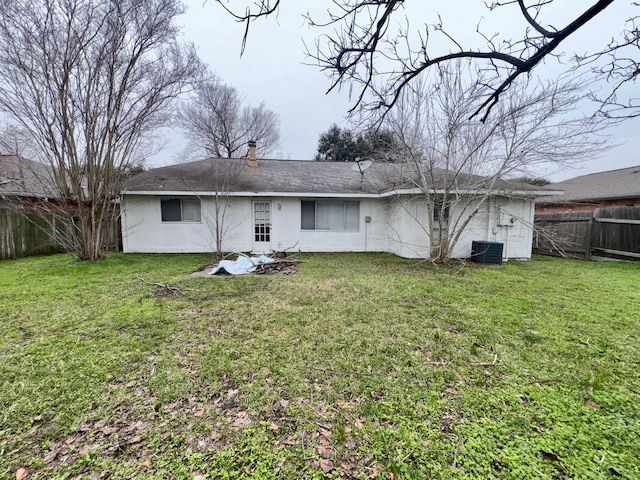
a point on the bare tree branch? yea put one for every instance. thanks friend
(365, 51)
(264, 8)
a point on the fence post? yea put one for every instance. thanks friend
(587, 240)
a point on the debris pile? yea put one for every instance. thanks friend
(262, 265)
(279, 266)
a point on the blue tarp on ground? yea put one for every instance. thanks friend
(240, 266)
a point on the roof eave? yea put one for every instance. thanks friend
(387, 193)
(183, 193)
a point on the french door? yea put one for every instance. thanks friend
(262, 227)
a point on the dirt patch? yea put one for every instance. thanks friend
(204, 271)
(165, 292)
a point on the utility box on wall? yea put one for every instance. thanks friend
(505, 219)
(486, 253)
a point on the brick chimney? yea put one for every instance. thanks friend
(253, 161)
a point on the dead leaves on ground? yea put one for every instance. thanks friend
(140, 431)
(99, 436)
(22, 473)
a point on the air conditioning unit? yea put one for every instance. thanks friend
(486, 253)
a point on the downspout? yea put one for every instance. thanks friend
(506, 245)
(366, 233)
(490, 219)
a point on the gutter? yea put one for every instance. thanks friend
(386, 194)
(182, 193)
(591, 199)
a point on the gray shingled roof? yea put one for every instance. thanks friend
(296, 176)
(25, 178)
(614, 184)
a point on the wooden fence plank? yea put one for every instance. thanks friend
(621, 221)
(618, 252)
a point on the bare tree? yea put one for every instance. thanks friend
(17, 141)
(371, 37)
(218, 122)
(220, 221)
(458, 164)
(220, 127)
(88, 79)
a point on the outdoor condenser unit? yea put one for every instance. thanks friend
(486, 253)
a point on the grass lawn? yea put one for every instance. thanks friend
(360, 366)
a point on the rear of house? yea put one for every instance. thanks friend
(279, 205)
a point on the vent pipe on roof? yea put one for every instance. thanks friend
(253, 160)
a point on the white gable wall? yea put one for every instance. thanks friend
(396, 227)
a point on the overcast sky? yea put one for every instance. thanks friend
(272, 69)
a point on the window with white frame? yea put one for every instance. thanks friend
(333, 215)
(441, 213)
(180, 209)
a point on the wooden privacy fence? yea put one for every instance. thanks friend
(26, 233)
(608, 232)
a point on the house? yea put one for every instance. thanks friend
(586, 193)
(24, 180)
(274, 205)
(25, 186)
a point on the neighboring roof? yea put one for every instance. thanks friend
(613, 184)
(302, 177)
(25, 178)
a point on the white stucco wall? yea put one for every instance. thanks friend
(487, 225)
(408, 225)
(517, 236)
(396, 227)
(287, 231)
(144, 231)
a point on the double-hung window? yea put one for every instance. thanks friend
(333, 215)
(441, 213)
(180, 209)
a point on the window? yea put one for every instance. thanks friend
(180, 210)
(440, 212)
(330, 215)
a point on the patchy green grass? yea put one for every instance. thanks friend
(360, 366)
